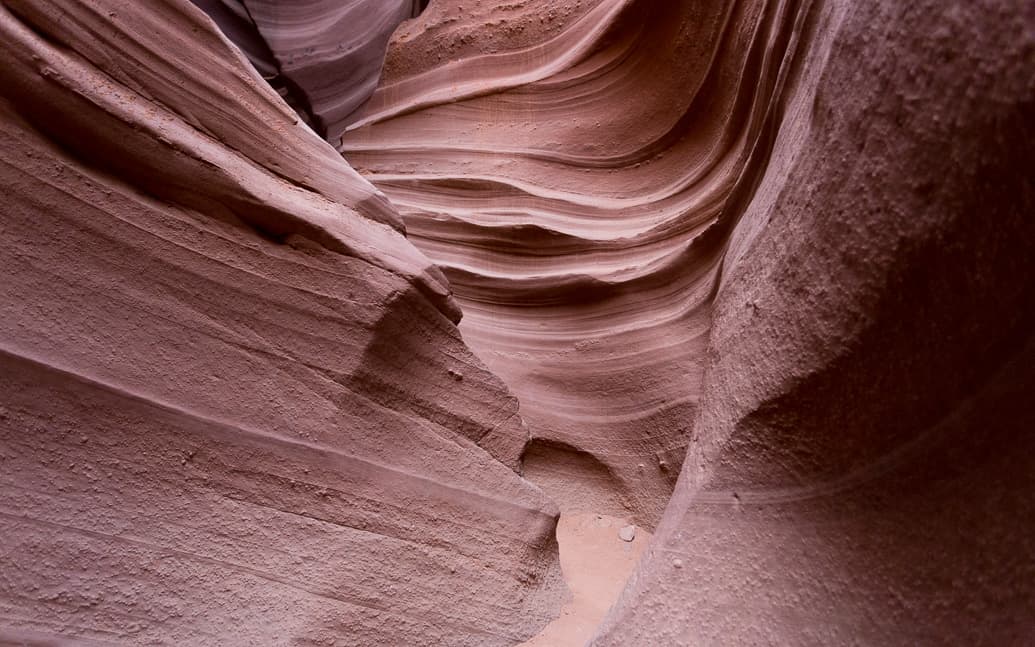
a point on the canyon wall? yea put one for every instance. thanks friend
(862, 469)
(234, 405)
(790, 236)
(772, 254)
(323, 56)
(568, 166)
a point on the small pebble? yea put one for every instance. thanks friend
(627, 533)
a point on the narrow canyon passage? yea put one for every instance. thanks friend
(583, 244)
(537, 323)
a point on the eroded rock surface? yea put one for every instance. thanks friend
(862, 468)
(570, 176)
(324, 56)
(780, 249)
(228, 404)
(797, 228)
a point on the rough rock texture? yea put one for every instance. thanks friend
(781, 248)
(234, 407)
(862, 468)
(324, 56)
(568, 175)
(803, 225)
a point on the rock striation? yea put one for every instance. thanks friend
(234, 406)
(576, 175)
(788, 235)
(772, 254)
(861, 469)
(323, 56)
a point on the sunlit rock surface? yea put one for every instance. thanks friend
(569, 166)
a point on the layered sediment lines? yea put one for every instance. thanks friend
(324, 56)
(862, 468)
(571, 168)
(234, 406)
(800, 228)
(781, 249)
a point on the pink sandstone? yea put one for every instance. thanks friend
(751, 276)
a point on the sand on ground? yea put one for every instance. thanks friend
(596, 563)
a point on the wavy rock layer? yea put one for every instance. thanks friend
(324, 56)
(802, 225)
(862, 469)
(234, 408)
(570, 173)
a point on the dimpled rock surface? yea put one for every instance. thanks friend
(862, 468)
(234, 406)
(777, 249)
(794, 236)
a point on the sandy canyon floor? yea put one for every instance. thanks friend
(596, 562)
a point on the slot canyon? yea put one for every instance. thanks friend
(550, 323)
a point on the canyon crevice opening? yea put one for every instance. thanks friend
(540, 322)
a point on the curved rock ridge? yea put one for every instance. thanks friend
(779, 248)
(570, 173)
(323, 56)
(173, 135)
(234, 406)
(862, 466)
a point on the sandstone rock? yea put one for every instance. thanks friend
(572, 173)
(871, 413)
(777, 249)
(203, 289)
(324, 56)
(776, 223)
